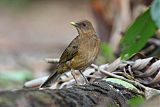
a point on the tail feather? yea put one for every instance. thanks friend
(51, 79)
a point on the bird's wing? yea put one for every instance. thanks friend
(70, 51)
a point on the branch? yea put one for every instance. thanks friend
(88, 95)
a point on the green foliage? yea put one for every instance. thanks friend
(121, 82)
(107, 52)
(155, 12)
(17, 75)
(136, 100)
(9, 78)
(16, 4)
(137, 35)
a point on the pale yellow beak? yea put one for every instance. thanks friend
(74, 24)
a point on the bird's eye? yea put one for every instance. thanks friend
(84, 24)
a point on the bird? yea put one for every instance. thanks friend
(80, 53)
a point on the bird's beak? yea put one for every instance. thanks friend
(74, 24)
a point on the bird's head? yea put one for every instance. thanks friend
(83, 27)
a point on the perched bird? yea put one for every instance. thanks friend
(79, 54)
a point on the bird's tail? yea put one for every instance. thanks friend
(51, 79)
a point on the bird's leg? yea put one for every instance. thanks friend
(72, 70)
(84, 77)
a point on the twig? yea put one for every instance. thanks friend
(119, 77)
(52, 60)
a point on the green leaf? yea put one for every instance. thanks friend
(155, 12)
(14, 78)
(121, 82)
(136, 100)
(17, 75)
(137, 35)
(15, 4)
(107, 51)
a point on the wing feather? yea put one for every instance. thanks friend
(70, 51)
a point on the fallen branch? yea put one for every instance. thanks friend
(88, 95)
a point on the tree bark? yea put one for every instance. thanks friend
(98, 94)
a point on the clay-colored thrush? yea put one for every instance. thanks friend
(80, 53)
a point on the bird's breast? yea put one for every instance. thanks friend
(87, 53)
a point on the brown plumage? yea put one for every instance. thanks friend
(80, 53)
